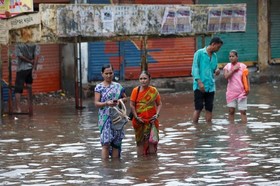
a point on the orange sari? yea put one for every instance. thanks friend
(145, 109)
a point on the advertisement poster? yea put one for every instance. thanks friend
(227, 19)
(214, 20)
(169, 21)
(183, 21)
(13, 7)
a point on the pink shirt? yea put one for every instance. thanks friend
(235, 87)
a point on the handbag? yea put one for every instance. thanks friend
(118, 116)
(154, 136)
(130, 116)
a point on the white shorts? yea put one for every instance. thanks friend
(241, 104)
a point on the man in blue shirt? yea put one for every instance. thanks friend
(204, 69)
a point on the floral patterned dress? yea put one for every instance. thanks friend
(108, 136)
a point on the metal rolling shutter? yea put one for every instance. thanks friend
(275, 30)
(168, 57)
(100, 53)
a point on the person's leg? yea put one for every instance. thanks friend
(208, 116)
(242, 107)
(231, 110)
(17, 102)
(231, 113)
(19, 83)
(29, 81)
(152, 148)
(105, 152)
(243, 116)
(115, 153)
(140, 149)
(198, 104)
(196, 115)
(209, 99)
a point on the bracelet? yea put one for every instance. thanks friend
(157, 115)
(106, 104)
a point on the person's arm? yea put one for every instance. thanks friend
(132, 103)
(228, 73)
(196, 73)
(36, 57)
(35, 62)
(195, 67)
(26, 59)
(100, 104)
(217, 71)
(158, 108)
(159, 105)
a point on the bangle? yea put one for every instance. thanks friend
(157, 115)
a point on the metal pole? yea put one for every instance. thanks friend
(80, 75)
(76, 74)
(144, 64)
(1, 105)
(10, 97)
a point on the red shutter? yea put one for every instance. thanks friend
(174, 59)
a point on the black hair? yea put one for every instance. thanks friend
(146, 73)
(216, 40)
(235, 52)
(106, 66)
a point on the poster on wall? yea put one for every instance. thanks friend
(227, 19)
(183, 20)
(10, 8)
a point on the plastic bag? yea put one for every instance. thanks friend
(154, 137)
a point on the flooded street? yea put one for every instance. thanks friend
(59, 145)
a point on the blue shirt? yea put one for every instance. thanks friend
(203, 68)
(29, 51)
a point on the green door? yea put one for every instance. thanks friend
(275, 30)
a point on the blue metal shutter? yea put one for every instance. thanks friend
(100, 53)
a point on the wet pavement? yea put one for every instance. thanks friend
(59, 145)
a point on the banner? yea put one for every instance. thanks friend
(14, 7)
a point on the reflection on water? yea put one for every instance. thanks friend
(60, 146)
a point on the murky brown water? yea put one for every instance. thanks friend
(60, 146)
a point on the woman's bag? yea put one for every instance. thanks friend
(130, 116)
(245, 77)
(154, 136)
(118, 116)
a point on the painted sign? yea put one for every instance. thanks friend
(24, 21)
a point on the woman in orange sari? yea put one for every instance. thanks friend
(145, 103)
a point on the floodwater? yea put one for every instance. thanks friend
(59, 145)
